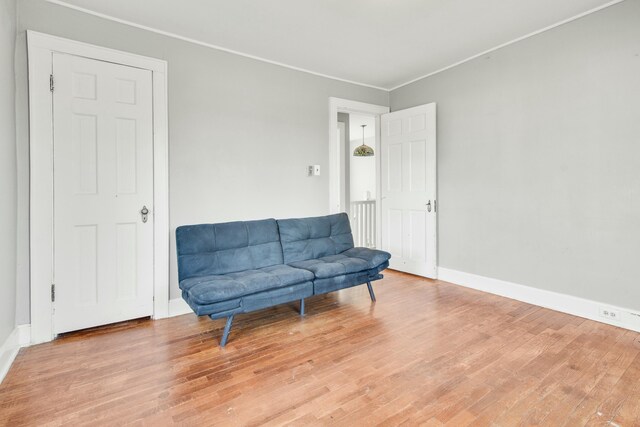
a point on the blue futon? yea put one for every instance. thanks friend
(237, 267)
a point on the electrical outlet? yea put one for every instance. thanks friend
(610, 314)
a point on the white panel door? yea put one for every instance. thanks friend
(408, 190)
(103, 176)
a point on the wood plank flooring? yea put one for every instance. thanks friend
(427, 353)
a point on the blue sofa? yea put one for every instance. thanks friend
(237, 267)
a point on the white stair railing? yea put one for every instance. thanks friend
(363, 223)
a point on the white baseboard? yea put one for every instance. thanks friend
(24, 335)
(178, 307)
(589, 309)
(19, 337)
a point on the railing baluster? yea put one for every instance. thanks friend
(375, 228)
(363, 218)
(361, 223)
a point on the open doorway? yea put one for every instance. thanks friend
(361, 177)
(354, 179)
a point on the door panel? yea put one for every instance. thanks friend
(86, 256)
(417, 166)
(394, 167)
(103, 176)
(126, 161)
(417, 229)
(85, 128)
(395, 232)
(408, 174)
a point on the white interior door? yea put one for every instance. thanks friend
(103, 176)
(408, 190)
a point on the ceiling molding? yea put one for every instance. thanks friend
(204, 44)
(291, 67)
(493, 49)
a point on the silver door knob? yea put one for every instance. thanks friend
(145, 213)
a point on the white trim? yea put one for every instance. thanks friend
(8, 352)
(24, 335)
(516, 40)
(205, 44)
(341, 160)
(40, 49)
(18, 338)
(178, 307)
(59, 44)
(160, 194)
(257, 58)
(589, 309)
(339, 105)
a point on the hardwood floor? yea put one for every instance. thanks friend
(427, 353)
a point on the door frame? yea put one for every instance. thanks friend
(339, 105)
(41, 240)
(341, 144)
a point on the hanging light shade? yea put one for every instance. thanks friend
(363, 150)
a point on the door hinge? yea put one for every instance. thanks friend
(53, 293)
(51, 82)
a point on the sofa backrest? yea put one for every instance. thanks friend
(309, 238)
(209, 249)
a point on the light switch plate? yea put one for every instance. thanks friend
(314, 170)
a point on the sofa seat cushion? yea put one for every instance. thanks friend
(210, 289)
(373, 257)
(353, 260)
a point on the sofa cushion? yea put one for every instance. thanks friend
(373, 257)
(230, 305)
(351, 261)
(211, 249)
(312, 238)
(331, 266)
(213, 288)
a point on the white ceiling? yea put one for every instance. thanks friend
(381, 43)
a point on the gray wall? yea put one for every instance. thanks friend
(242, 132)
(539, 159)
(7, 170)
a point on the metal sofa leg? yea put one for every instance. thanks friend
(227, 328)
(302, 307)
(371, 294)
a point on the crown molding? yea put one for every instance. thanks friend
(291, 67)
(516, 40)
(205, 44)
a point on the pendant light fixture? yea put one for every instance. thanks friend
(363, 150)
